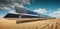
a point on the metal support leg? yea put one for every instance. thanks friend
(19, 19)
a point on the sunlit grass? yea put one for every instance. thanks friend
(6, 23)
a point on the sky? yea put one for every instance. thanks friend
(47, 7)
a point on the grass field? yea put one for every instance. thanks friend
(10, 23)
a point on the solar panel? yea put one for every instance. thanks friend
(20, 10)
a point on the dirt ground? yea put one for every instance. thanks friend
(6, 23)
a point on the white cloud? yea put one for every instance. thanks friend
(13, 3)
(5, 8)
(13, 11)
(12, 6)
(1, 15)
(25, 1)
(2, 6)
(40, 10)
(55, 13)
(17, 5)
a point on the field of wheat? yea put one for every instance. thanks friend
(6, 23)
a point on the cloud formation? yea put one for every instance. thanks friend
(40, 10)
(12, 3)
(13, 11)
(1, 16)
(56, 13)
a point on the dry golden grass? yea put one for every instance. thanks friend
(6, 23)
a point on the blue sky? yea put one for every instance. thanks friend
(44, 4)
(47, 7)
(48, 4)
